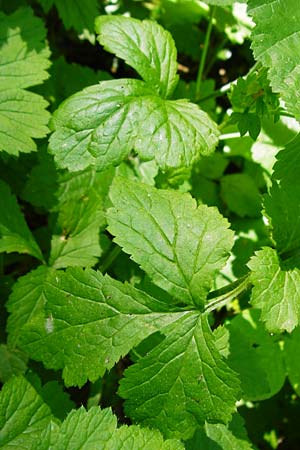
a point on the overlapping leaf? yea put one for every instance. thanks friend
(24, 58)
(276, 290)
(102, 124)
(182, 382)
(81, 321)
(276, 40)
(179, 245)
(15, 235)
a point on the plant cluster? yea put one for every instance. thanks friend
(149, 224)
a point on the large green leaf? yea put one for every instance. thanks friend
(145, 46)
(276, 290)
(292, 362)
(101, 124)
(179, 245)
(97, 429)
(15, 235)
(181, 382)
(23, 415)
(87, 322)
(276, 41)
(24, 58)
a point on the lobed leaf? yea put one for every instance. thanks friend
(182, 382)
(100, 126)
(84, 322)
(180, 246)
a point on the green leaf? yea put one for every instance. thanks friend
(254, 354)
(23, 415)
(100, 125)
(12, 362)
(15, 235)
(182, 382)
(287, 167)
(76, 240)
(291, 350)
(283, 208)
(26, 301)
(275, 42)
(276, 290)
(221, 437)
(241, 195)
(145, 46)
(97, 428)
(74, 14)
(180, 246)
(24, 58)
(88, 322)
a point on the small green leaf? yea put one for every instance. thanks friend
(276, 290)
(15, 235)
(23, 415)
(180, 246)
(182, 382)
(102, 124)
(88, 322)
(241, 194)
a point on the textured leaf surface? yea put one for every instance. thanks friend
(97, 429)
(179, 245)
(276, 290)
(76, 240)
(102, 124)
(145, 46)
(22, 116)
(23, 415)
(182, 382)
(15, 235)
(88, 323)
(276, 40)
(24, 56)
(254, 354)
(26, 301)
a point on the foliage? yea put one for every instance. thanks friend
(149, 224)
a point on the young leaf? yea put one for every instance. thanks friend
(15, 235)
(24, 58)
(180, 246)
(100, 125)
(23, 415)
(88, 322)
(182, 382)
(145, 46)
(276, 290)
(97, 428)
(276, 41)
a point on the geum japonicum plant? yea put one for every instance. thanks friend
(125, 160)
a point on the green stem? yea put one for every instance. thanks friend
(110, 259)
(204, 53)
(239, 286)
